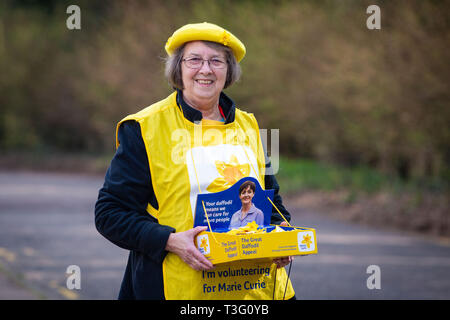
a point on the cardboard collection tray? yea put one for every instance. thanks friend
(220, 247)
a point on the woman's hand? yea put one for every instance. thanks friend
(182, 244)
(283, 261)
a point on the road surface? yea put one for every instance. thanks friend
(47, 225)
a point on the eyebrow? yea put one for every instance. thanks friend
(199, 55)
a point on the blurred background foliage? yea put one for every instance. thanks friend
(338, 92)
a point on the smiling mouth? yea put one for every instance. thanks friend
(204, 82)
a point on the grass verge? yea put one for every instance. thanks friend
(365, 195)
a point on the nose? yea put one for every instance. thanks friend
(205, 68)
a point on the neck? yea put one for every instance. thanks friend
(246, 207)
(208, 107)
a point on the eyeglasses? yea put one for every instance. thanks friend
(197, 63)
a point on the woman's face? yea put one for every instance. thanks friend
(205, 83)
(246, 195)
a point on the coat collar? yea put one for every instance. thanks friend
(193, 115)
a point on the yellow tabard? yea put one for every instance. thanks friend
(186, 159)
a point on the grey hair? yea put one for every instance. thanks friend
(173, 65)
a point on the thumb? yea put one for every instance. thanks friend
(197, 230)
(284, 223)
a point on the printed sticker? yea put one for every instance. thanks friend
(203, 244)
(306, 241)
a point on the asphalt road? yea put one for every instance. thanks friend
(47, 225)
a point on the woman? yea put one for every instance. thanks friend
(162, 163)
(248, 211)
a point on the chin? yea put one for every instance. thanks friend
(206, 93)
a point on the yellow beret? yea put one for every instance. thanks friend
(208, 32)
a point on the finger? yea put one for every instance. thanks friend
(277, 261)
(284, 223)
(204, 263)
(199, 266)
(282, 261)
(195, 263)
(201, 260)
(288, 260)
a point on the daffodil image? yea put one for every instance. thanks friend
(307, 240)
(230, 173)
(204, 245)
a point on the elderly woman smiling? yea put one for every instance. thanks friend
(202, 69)
(147, 202)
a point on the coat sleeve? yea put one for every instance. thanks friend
(120, 211)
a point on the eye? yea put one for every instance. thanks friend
(217, 62)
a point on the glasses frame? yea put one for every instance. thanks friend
(186, 60)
